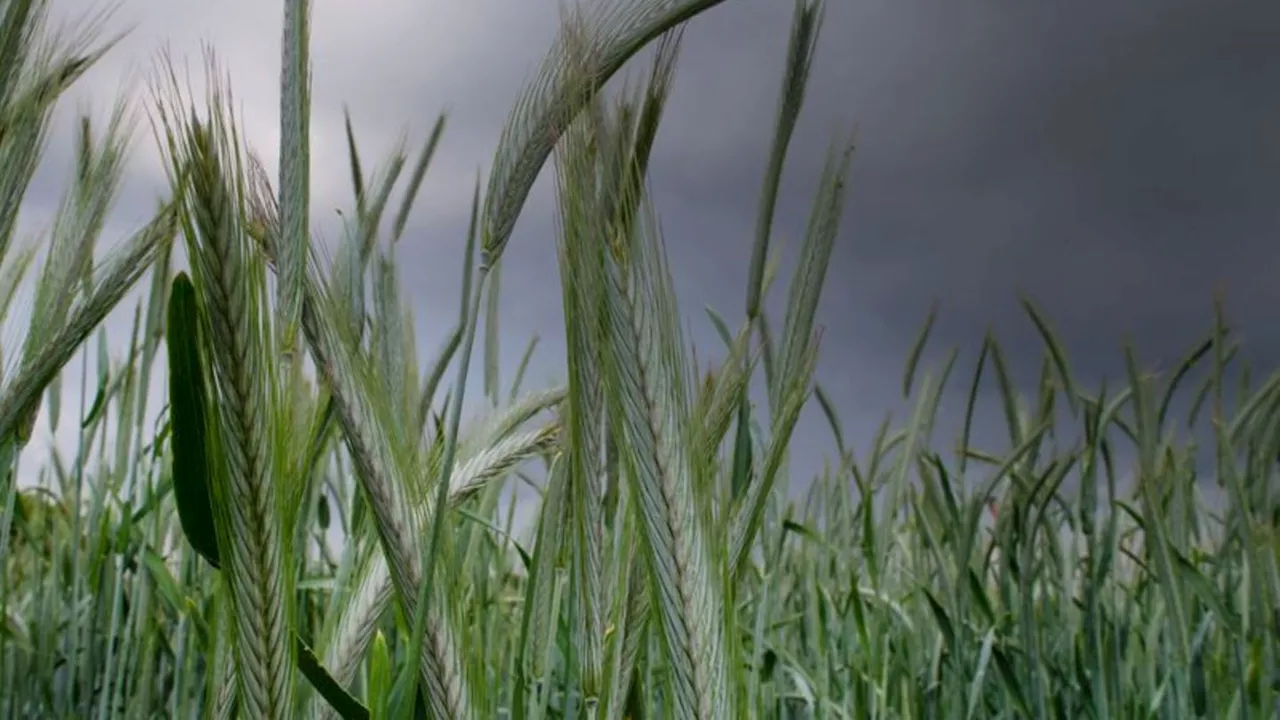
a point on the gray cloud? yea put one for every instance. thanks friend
(1115, 161)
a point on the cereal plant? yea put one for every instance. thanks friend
(312, 528)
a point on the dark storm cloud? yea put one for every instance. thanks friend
(1116, 161)
(1115, 164)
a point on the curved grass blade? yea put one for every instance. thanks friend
(917, 349)
(415, 179)
(188, 413)
(616, 31)
(805, 26)
(342, 701)
(1055, 351)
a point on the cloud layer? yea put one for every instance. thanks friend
(1118, 162)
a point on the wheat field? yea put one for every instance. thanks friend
(189, 569)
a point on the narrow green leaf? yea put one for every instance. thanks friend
(342, 701)
(415, 179)
(833, 419)
(188, 412)
(917, 349)
(1056, 351)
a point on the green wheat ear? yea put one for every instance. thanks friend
(192, 474)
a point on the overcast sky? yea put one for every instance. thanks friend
(1117, 161)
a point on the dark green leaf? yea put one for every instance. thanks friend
(187, 410)
(322, 512)
(342, 701)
